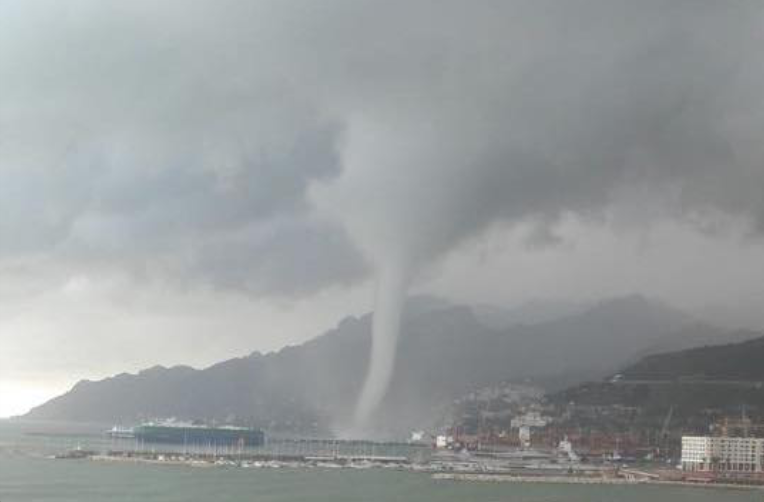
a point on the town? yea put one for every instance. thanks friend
(550, 432)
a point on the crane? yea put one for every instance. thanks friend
(663, 438)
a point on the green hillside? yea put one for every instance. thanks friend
(699, 386)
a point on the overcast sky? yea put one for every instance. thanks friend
(182, 182)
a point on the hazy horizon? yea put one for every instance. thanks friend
(537, 310)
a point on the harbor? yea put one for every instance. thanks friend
(439, 469)
(451, 464)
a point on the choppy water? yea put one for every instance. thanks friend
(26, 475)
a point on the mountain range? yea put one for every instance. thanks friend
(445, 351)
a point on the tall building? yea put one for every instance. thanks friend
(722, 454)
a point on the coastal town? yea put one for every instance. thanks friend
(506, 433)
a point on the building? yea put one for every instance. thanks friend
(443, 441)
(191, 434)
(722, 454)
(524, 435)
(524, 425)
(530, 419)
(566, 448)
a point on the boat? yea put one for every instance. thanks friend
(118, 432)
(188, 433)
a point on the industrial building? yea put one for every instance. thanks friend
(722, 454)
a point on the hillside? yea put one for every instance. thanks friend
(734, 361)
(444, 352)
(699, 385)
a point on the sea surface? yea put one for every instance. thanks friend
(27, 474)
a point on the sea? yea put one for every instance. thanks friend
(28, 473)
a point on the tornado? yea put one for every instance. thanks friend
(392, 283)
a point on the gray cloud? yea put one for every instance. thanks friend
(278, 148)
(119, 150)
(525, 111)
(134, 131)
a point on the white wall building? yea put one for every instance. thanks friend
(722, 454)
(443, 441)
(524, 434)
(530, 419)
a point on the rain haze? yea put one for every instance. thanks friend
(215, 178)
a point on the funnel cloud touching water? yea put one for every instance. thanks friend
(523, 113)
(391, 291)
(281, 150)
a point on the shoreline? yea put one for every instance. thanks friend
(469, 477)
(581, 480)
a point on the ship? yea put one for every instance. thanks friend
(194, 434)
(118, 432)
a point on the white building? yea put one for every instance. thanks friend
(566, 448)
(722, 454)
(524, 425)
(524, 434)
(443, 441)
(530, 419)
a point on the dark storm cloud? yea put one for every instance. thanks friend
(174, 220)
(125, 144)
(190, 134)
(523, 111)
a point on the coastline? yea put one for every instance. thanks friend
(581, 480)
(469, 477)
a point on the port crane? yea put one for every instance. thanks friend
(664, 435)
